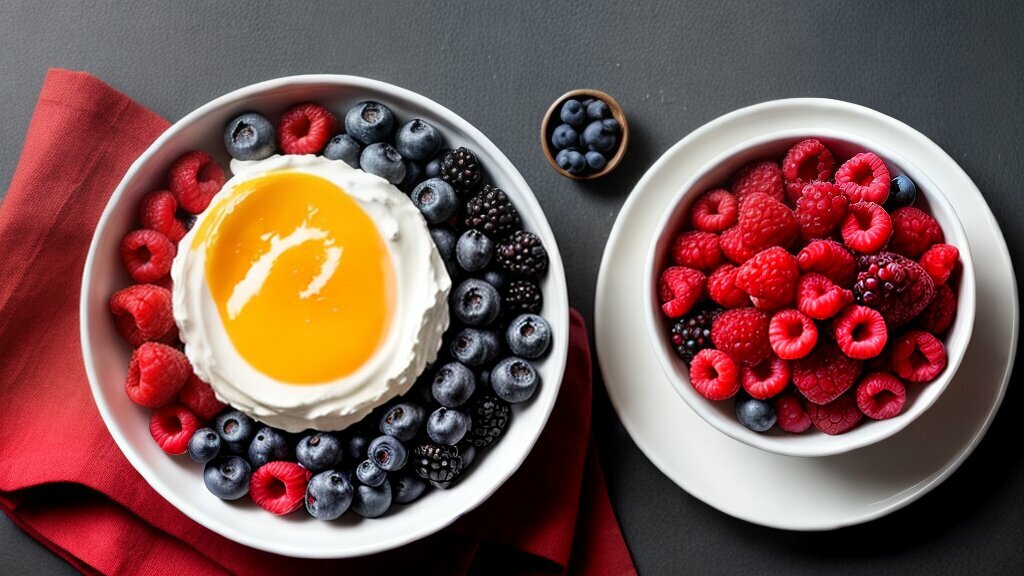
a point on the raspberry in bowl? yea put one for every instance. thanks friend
(810, 294)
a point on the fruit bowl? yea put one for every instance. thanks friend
(179, 480)
(721, 415)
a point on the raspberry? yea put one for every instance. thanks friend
(864, 178)
(938, 316)
(860, 332)
(723, 290)
(825, 374)
(765, 222)
(790, 414)
(804, 163)
(199, 398)
(195, 178)
(766, 305)
(731, 242)
(840, 415)
(766, 379)
(305, 129)
(158, 211)
(714, 211)
(696, 249)
(792, 335)
(742, 334)
(819, 298)
(830, 258)
(913, 232)
(897, 287)
(714, 375)
(680, 288)
(917, 356)
(881, 395)
(147, 255)
(820, 209)
(172, 426)
(866, 228)
(939, 261)
(764, 177)
(156, 373)
(143, 313)
(770, 275)
(279, 487)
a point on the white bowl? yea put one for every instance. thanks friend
(178, 479)
(721, 415)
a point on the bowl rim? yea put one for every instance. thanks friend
(558, 355)
(617, 112)
(828, 445)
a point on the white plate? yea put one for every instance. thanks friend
(784, 491)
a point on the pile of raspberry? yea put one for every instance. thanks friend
(813, 295)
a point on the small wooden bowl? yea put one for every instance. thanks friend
(552, 119)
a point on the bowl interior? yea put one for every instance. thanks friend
(177, 478)
(721, 415)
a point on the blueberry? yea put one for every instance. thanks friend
(388, 453)
(571, 161)
(902, 192)
(407, 487)
(204, 445)
(529, 336)
(597, 136)
(328, 495)
(755, 414)
(514, 380)
(447, 426)
(474, 250)
(475, 347)
(564, 136)
(343, 147)
(597, 110)
(235, 430)
(445, 241)
(596, 161)
(412, 177)
(227, 477)
(372, 501)
(453, 385)
(476, 302)
(433, 168)
(268, 445)
(402, 421)
(611, 124)
(319, 451)
(355, 449)
(417, 140)
(468, 453)
(370, 474)
(250, 137)
(381, 159)
(495, 278)
(573, 113)
(436, 199)
(370, 122)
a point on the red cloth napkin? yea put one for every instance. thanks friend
(64, 481)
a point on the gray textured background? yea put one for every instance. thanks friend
(954, 72)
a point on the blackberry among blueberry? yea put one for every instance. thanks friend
(436, 463)
(691, 334)
(490, 416)
(491, 212)
(523, 254)
(461, 169)
(523, 295)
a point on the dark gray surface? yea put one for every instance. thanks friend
(954, 72)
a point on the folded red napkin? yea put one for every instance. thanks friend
(64, 481)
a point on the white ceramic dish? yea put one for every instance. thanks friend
(177, 478)
(721, 414)
(783, 491)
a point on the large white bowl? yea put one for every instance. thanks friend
(721, 415)
(178, 479)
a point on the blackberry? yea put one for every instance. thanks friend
(522, 296)
(461, 169)
(490, 416)
(523, 253)
(881, 277)
(691, 334)
(491, 212)
(436, 463)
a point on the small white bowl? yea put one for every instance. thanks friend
(721, 415)
(180, 480)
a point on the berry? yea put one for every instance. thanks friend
(790, 414)
(564, 136)
(172, 426)
(742, 334)
(714, 374)
(328, 495)
(528, 336)
(403, 421)
(680, 288)
(696, 249)
(319, 451)
(897, 287)
(474, 250)
(381, 159)
(918, 356)
(475, 302)
(938, 316)
(766, 379)
(432, 169)
(881, 395)
(444, 240)
(156, 372)
(355, 448)
(435, 199)
(572, 161)
(723, 290)
(407, 488)
(305, 129)
(370, 474)
(495, 278)
(731, 242)
(595, 160)
(792, 335)
(755, 414)
(448, 426)
(599, 137)
(227, 477)
(770, 275)
(820, 209)
(840, 415)
(194, 180)
(939, 261)
(142, 313)
(692, 333)
(825, 373)
(573, 113)
(598, 109)
(514, 380)
(819, 298)
(388, 453)
(461, 169)
(830, 258)
(522, 295)
(492, 212)
(370, 122)
(147, 255)
(279, 487)
(804, 163)
(475, 347)
(490, 416)
(866, 228)
(345, 148)
(436, 463)
(913, 232)
(715, 211)
(372, 501)
(158, 211)
(764, 177)
(235, 430)
(860, 332)
(765, 222)
(417, 140)
(864, 178)
(199, 397)
(453, 386)
(203, 446)
(902, 192)
(267, 445)
(250, 137)
(523, 253)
